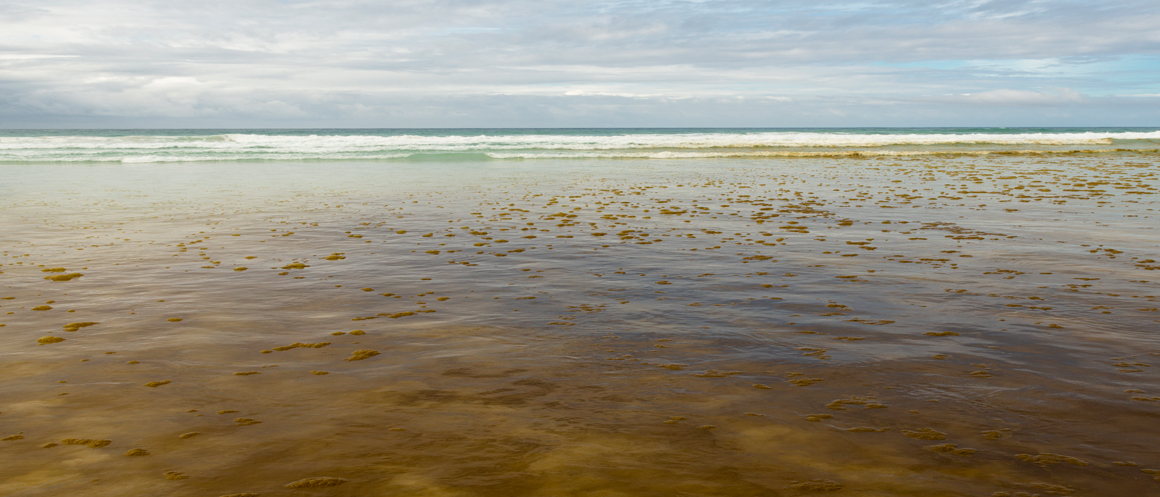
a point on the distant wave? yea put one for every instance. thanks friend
(808, 154)
(255, 146)
(152, 159)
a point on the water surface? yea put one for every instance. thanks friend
(939, 324)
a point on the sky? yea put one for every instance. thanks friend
(576, 63)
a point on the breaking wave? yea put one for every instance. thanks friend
(283, 145)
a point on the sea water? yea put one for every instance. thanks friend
(579, 312)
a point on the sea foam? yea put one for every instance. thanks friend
(386, 145)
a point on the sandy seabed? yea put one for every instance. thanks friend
(952, 326)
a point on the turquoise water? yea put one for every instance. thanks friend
(171, 145)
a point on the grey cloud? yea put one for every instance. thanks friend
(612, 63)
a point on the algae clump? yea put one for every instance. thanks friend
(90, 442)
(361, 354)
(317, 482)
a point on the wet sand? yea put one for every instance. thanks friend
(937, 326)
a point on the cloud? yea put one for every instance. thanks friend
(450, 62)
(1025, 97)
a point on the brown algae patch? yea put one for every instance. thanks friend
(155, 384)
(48, 340)
(866, 429)
(317, 482)
(952, 448)
(300, 345)
(866, 402)
(191, 434)
(175, 475)
(174, 320)
(1046, 458)
(925, 434)
(246, 421)
(64, 277)
(89, 442)
(76, 326)
(136, 452)
(993, 435)
(361, 354)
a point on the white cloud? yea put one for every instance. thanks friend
(1025, 97)
(302, 62)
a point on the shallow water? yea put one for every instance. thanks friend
(935, 326)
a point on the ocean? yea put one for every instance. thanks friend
(733, 312)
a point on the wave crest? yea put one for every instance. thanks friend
(257, 146)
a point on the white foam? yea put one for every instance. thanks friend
(227, 147)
